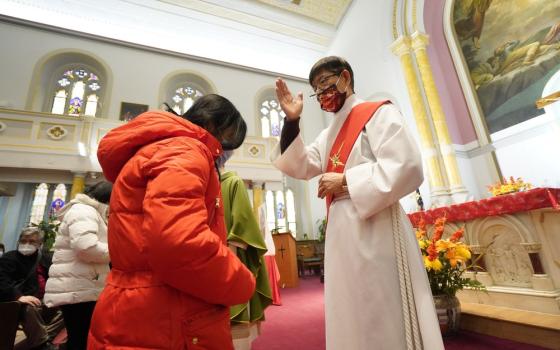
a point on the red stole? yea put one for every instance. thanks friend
(353, 125)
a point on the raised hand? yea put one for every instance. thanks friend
(290, 105)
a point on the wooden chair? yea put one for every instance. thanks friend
(310, 257)
(10, 312)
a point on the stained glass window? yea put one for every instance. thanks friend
(39, 203)
(76, 93)
(184, 98)
(270, 216)
(291, 211)
(272, 118)
(58, 199)
(60, 192)
(280, 210)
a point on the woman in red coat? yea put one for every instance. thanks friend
(172, 276)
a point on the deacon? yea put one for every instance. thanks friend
(376, 289)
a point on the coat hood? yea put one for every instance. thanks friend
(122, 143)
(84, 199)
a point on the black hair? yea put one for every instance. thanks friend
(332, 64)
(219, 117)
(101, 191)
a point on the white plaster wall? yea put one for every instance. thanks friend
(137, 74)
(530, 150)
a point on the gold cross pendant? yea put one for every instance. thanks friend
(335, 159)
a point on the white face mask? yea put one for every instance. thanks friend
(27, 249)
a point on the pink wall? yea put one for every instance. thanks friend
(447, 82)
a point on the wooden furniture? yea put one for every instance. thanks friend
(286, 260)
(310, 255)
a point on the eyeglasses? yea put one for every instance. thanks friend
(319, 92)
(322, 82)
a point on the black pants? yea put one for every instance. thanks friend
(77, 318)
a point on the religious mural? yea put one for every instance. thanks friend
(511, 48)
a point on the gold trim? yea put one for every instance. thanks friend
(74, 126)
(395, 30)
(545, 101)
(405, 13)
(414, 20)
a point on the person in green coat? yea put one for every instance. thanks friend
(244, 237)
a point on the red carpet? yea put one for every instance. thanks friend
(299, 324)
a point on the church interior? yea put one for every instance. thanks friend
(477, 82)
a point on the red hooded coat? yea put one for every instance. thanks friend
(172, 275)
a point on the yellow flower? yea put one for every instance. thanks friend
(420, 234)
(435, 264)
(442, 245)
(463, 252)
(423, 244)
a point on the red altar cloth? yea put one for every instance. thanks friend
(536, 198)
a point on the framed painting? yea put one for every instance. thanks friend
(508, 50)
(129, 111)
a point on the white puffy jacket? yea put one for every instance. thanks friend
(81, 254)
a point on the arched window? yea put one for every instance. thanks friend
(280, 211)
(184, 98)
(70, 83)
(181, 89)
(271, 117)
(290, 210)
(60, 192)
(270, 213)
(76, 93)
(39, 203)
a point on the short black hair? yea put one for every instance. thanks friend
(101, 191)
(218, 116)
(333, 64)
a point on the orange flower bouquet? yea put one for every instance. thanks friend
(445, 259)
(509, 186)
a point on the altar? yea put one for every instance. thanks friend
(518, 236)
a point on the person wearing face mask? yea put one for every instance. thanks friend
(81, 261)
(245, 239)
(23, 274)
(376, 288)
(173, 277)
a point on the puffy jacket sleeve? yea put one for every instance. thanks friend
(182, 249)
(83, 226)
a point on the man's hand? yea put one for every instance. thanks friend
(332, 183)
(29, 300)
(290, 105)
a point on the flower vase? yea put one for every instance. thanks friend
(448, 311)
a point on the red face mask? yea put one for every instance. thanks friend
(331, 99)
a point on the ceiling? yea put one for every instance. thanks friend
(281, 36)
